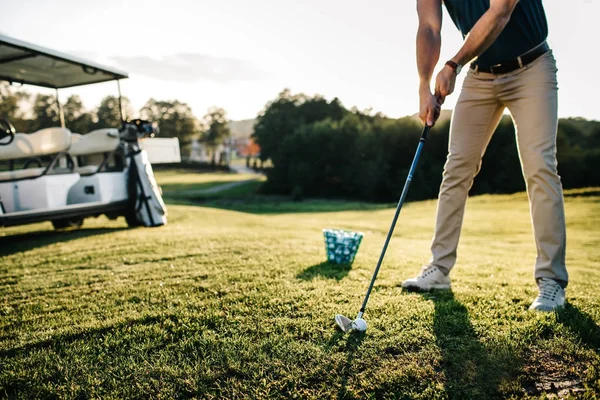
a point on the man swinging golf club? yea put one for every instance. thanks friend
(513, 68)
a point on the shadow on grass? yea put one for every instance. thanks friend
(471, 370)
(173, 189)
(245, 196)
(39, 381)
(552, 377)
(212, 189)
(583, 193)
(344, 370)
(272, 205)
(13, 244)
(62, 341)
(326, 270)
(581, 325)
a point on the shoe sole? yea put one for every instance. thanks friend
(439, 286)
(546, 309)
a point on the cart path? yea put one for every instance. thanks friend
(216, 189)
(225, 186)
(242, 169)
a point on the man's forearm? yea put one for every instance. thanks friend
(484, 33)
(428, 54)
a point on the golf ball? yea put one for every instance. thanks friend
(359, 324)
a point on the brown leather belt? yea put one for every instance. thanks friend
(515, 63)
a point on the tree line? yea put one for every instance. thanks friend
(320, 148)
(30, 113)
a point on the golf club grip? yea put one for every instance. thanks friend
(411, 171)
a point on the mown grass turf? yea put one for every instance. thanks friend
(181, 180)
(229, 304)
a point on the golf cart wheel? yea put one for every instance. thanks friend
(132, 220)
(67, 223)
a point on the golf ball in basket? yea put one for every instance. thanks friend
(359, 324)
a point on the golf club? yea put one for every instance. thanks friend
(359, 324)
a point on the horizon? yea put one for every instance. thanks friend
(364, 55)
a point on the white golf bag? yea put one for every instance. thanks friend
(147, 206)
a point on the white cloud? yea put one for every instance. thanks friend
(192, 67)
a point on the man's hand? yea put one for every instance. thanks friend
(428, 53)
(430, 107)
(444, 83)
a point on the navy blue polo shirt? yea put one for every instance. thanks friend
(526, 29)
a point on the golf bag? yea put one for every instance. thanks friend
(146, 204)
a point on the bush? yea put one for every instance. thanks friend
(365, 157)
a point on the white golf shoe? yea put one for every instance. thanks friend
(551, 296)
(429, 278)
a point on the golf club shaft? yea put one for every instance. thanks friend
(411, 171)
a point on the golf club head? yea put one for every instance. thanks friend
(343, 322)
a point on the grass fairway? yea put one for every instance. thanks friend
(238, 303)
(174, 183)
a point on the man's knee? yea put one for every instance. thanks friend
(539, 166)
(460, 169)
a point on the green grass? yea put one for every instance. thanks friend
(244, 199)
(185, 188)
(228, 304)
(174, 182)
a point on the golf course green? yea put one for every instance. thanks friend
(234, 299)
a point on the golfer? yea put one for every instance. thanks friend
(508, 65)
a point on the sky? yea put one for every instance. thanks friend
(239, 54)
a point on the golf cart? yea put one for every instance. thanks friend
(64, 177)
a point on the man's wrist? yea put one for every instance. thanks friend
(455, 66)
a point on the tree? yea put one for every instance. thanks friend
(174, 119)
(77, 119)
(361, 156)
(283, 116)
(217, 130)
(45, 112)
(9, 106)
(109, 114)
(10, 100)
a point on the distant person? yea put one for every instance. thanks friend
(511, 66)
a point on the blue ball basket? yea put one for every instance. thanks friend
(341, 246)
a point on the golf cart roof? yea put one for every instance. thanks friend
(28, 63)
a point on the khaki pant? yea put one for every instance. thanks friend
(530, 94)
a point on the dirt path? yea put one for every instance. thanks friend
(219, 188)
(240, 169)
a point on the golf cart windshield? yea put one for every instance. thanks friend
(27, 63)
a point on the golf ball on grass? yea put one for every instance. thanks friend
(359, 325)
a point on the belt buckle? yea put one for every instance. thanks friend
(492, 67)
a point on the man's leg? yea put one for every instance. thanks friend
(532, 100)
(476, 116)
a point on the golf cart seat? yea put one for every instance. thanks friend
(41, 143)
(98, 142)
(30, 146)
(21, 174)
